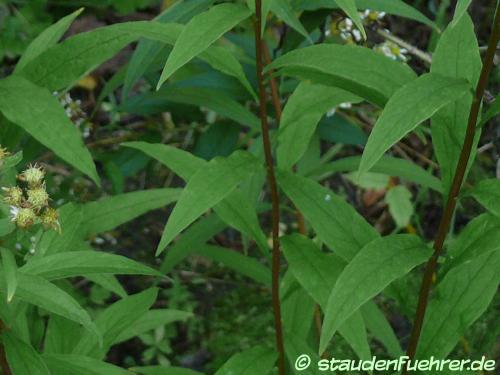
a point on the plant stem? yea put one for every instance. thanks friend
(273, 187)
(447, 215)
(4, 365)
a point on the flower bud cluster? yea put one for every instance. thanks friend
(29, 202)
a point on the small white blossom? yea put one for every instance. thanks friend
(14, 211)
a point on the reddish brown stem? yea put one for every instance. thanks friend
(4, 365)
(273, 187)
(458, 179)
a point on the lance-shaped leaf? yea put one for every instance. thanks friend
(62, 364)
(10, 272)
(487, 193)
(207, 187)
(114, 320)
(460, 10)
(456, 56)
(37, 291)
(46, 39)
(317, 273)
(201, 32)
(358, 70)
(257, 360)
(336, 222)
(408, 107)
(64, 64)
(283, 9)
(240, 263)
(386, 165)
(152, 319)
(480, 236)
(43, 117)
(235, 209)
(460, 299)
(110, 212)
(148, 50)
(79, 263)
(22, 357)
(377, 265)
(162, 370)
(303, 110)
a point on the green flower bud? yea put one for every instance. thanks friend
(33, 176)
(50, 219)
(38, 198)
(13, 196)
(25, 218)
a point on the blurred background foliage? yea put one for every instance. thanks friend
(197, 111)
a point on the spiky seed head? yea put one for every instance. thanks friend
(38, 197)
(50, 219)
(13, 195)
(25, 218)
(33, 176)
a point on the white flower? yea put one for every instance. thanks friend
(393, 51)
(14, 211)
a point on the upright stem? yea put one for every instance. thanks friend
(273, 187)
(447, 215)
(3, 358)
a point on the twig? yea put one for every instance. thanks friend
(446, 218)
(273, 187)
(411, 49)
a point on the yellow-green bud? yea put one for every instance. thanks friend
(38, 197)
(13, 196)
(25, 218)
(33, 176)
(50, 219)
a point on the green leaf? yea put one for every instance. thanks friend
(162, 370)
(358, 70)
(196, 235)
(387, 165)
(10, 272)
(201, 32)
(235, 210)
(63, 364)
(460, 299)
(22, 357)
(108, 282)
(460, 10)
(377, 324)
(305, 107)
(400, 206)
(487, 193)
(456, 56)
(46, 39)
(114, 320)
(152, 320)
(43, 117)
(297, 307)
(317, 273)
(215, 100)
(395, 7)
(108, 213)
(295, 347)
(240, 263)
(336, 223)
(378, 264)
(257, 360)
(480, 236)
(207, 187)
(349, 7)
(38, 291)
(148, 50)
(408, 107)
(284, 10)
(79, 263)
